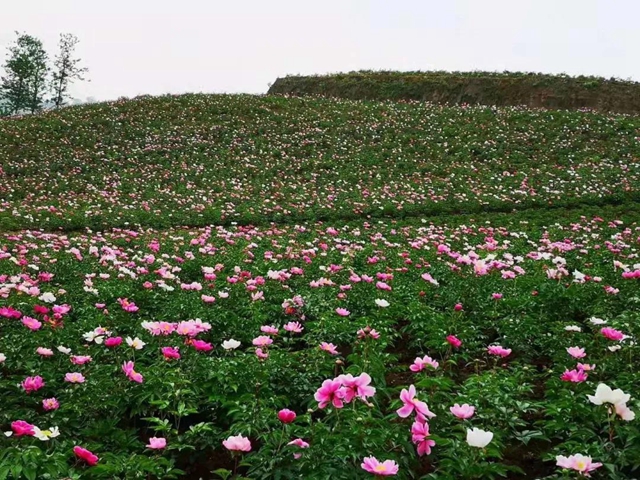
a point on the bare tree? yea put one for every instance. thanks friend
(67, 69)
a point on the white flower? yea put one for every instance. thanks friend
(8, 434)
(135, 343)
(47, 297)
(3, 357)
(572, 328)
(624, 412)
(93, 337)
(597, 321)
(45, 435)
(230, 344)
(604, 394)
(382, 303)
(223, 294)
(62, 349)
(478, 438)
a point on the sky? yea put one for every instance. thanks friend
(135, 47)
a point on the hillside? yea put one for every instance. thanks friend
(201, 159)
(483, 88)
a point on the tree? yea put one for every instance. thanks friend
(24, 84)
(67, 69)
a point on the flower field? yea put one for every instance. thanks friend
(272, 288)
(202, 159)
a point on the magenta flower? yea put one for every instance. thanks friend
(496, 296)
(201, 345)
(113, 342)
(499, 351)
(128, 369)
(237, 444)
(419, 364)
(612, 333)
(382, 469)
(458, 307)
(32, 384)
(21, 428)
(454, 341)
(157, 443)
(85, 455)
(410, 403)
(329, 347)
(286, 416)
(331, 392)
(170, 353)
(50, 404)
(356, 387)
(74, 377)
(419, 434)
(575, 376)
(127, 306)
(463, 411)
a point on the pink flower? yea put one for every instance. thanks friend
(80, 359)
(262, 355)
(419, 434)
(499, 351)
(420, 363)
(32, 384)
(463, 411)
(343, 312)
(410, 403)
(286, 416)
(113, 342)
(575, 376)
(74, 377)
(578, 462)
(330, 392)
(384, 469)
(329, 347)
(262, 341)
(454, 341)
(31, 323)
(458, 307)
(21, 428)
(50, 404)
(496, 296)
(586, 367)
(127, 306)
(237, 444)
(157, 443)
(208, 298)
(298, 442)
(85, 455)
(368, 332)
(201, 345)
(170, 353)
(612, 333)
(45, 352)
(128, 369)
(576, 352)
(293, 327)
(356, 387)
(269, 330)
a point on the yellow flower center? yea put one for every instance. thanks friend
(580, 465)
(380, 468)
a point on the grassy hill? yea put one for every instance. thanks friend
(201, 159)
(484, 88)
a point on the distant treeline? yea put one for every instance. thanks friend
(484, 88)
(30, 82)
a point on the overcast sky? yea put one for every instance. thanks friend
(134, 47)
